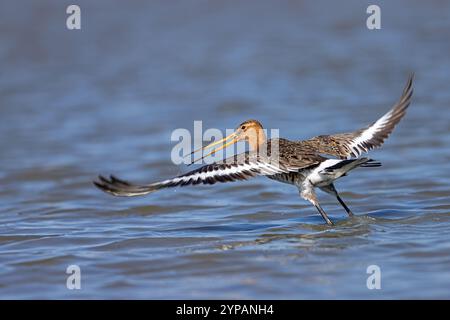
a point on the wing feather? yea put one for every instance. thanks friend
(241, 167)
(353, 144)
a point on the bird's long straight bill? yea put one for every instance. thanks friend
(232, 139)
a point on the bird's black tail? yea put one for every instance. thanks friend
(370, 164)
(350, 164)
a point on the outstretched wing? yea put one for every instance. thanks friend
(353, 144)
(239, 167)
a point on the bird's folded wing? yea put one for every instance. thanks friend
(353, 144)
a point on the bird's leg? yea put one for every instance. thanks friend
(332, 190)
(323, 214)
(307, 193)
(349, 212)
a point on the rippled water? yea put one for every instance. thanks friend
(106, 99)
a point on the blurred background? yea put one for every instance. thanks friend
(106, 98)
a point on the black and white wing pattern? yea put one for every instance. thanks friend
(353, 144)
(239, 167)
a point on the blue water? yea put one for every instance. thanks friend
(105, 99)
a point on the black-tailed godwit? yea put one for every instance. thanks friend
(307, 164)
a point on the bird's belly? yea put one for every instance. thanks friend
(319, 177)
(321, 180)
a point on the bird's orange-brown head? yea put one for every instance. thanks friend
(250, 131)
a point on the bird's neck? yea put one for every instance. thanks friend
(256, 140)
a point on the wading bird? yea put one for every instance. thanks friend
(307, 164)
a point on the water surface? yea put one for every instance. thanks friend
(105, 99)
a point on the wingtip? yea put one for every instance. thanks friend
(409, 83)
(98, 185)
(407, 92)
(102, 183)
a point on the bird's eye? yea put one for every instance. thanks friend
(243, 127)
